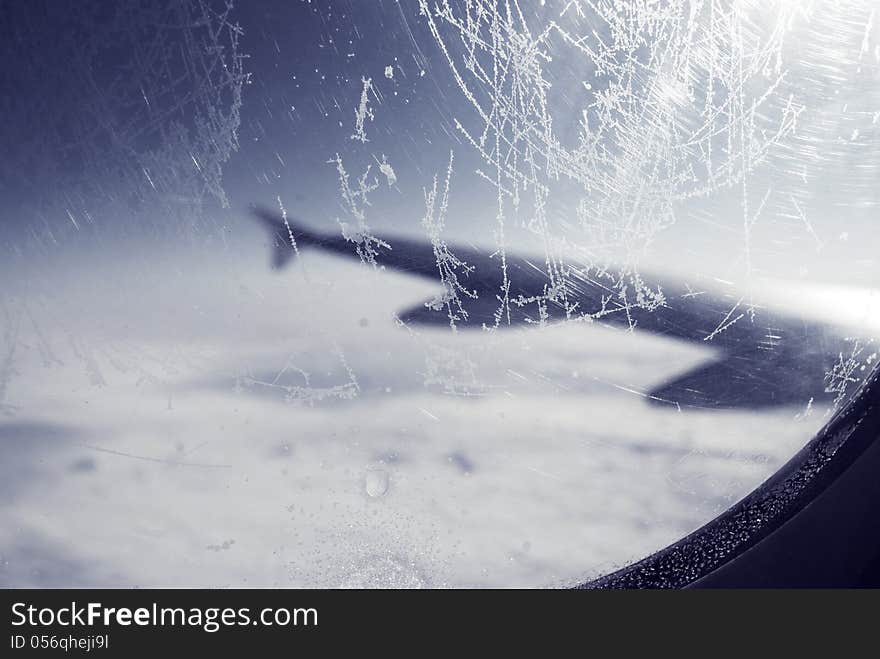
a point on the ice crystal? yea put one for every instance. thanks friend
(677, 102)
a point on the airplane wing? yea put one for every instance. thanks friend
(770, 360)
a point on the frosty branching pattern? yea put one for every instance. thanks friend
(848, 372)
(151, 94)
(355, 201)
(449, 266)
(678, 102)
(286, 222)
(363, 112)
(306, 392)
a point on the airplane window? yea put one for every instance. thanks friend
(420, 293)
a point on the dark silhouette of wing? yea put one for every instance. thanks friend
(744, 381)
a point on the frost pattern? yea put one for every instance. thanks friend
(449, 266)
(363, 112)
(284, 219)
(151, 94)
(678, 103)
(356, 201)
(307, 392)
(848, 372)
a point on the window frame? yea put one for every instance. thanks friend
(808, 525)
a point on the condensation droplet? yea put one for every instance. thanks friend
(376, 482)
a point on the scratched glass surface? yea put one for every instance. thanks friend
(420, 292)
